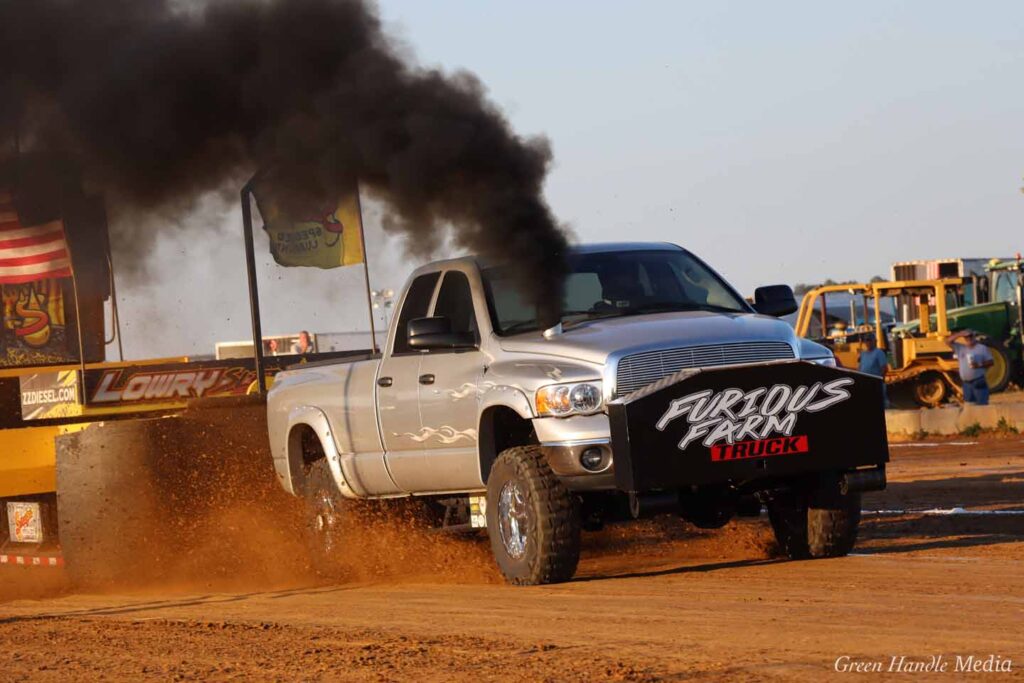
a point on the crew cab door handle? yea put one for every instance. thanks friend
(384, 381)
(427, 379)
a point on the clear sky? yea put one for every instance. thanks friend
(782, 141)
(779, 140)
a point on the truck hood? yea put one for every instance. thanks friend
(594, 341)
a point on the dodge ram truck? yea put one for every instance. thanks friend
(660, 391)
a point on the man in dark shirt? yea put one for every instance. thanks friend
(873, 361)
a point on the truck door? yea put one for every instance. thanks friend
(398, 386)
(449, 384)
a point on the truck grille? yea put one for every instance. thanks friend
(640, 369)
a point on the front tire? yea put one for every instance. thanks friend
(533, 521)
(833, 520)
(823, 523)
(788, 516)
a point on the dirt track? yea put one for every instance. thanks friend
(651, 602)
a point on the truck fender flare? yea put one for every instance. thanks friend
(505, 397)
(339, 463)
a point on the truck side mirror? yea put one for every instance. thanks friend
(775, 300)
(436, 333)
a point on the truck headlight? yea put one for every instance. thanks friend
(827, 361)
(562, 400)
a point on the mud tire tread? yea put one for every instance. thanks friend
(833, 520)
(553, 552)
(788, 517)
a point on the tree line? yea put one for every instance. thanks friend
(801, 288)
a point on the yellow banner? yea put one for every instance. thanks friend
(324, 238)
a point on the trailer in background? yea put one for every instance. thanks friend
(973, 271)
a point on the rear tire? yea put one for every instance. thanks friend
(998, 376)
(821, 524)
(533, 521)
(324, 516)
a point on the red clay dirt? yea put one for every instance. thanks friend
(652, 601)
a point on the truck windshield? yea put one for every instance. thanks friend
(613, 284)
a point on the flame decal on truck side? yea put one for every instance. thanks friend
(469, 389)
(445, 434)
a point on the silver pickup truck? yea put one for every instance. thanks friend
(660, 391)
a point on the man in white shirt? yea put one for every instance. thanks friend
(974, 359)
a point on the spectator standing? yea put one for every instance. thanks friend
(303, 345)
(974, 358)
(873, 361)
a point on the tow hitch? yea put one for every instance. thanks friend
(863, 480)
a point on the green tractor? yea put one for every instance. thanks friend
(996, 315)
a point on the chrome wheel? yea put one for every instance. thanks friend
(533, 521)
(513, 519)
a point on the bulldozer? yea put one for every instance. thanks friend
(920, 360)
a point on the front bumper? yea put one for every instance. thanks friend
(563, 441)
(739, 424)
(734, 425)
(565, 460)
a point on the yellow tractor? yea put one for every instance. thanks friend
(919, 360)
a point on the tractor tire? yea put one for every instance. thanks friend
(929, 389)
(533, 521)
(821, 524)
(325, 515)
(998, 376)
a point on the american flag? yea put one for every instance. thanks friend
(30, 253)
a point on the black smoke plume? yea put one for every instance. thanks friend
(153, 102)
